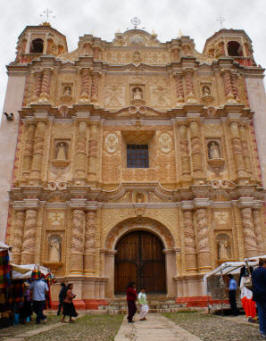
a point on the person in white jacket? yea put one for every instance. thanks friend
(144, 308)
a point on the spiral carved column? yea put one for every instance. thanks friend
(93, 152)
(85, 84)
(250, 241)
(228, 88)
(237, 149)
(203, 239)
(184, 151)
(246, 153)
(94, 87)
(37, 85)
(38, 150)
(190, 94)
(190, 243)
(80, 151)
(179, 88)
(77, 244)
(28, 150)
(258, 230)
(17, 236)
(46, 83)
(28, 246)
(196, 149)
(90, 244)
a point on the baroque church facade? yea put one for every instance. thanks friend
(133, 159)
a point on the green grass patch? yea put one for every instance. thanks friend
(86, 328)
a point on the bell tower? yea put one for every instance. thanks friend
(35, 41)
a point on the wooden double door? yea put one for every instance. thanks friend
(140, 259)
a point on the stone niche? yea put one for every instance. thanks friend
(61, 153)
(215, 155)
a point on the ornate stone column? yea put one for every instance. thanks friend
(46, 83)
(189, 237)
(250, 240)
(184, 152)
(196, 149)
(237, 149)
(80, 151)
(85, 84)
(246, 154)
(77, 243)
(90, 243)
(93, 152)
(17, 235)
(28, 150)
(179, 88)
(37, 85)
(38, 151)
(258, 230)
(234, 86)
(94, 86)
(204, 257)
(228, 88)
(28, 246)
(190, 94)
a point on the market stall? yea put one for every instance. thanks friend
(215, 281)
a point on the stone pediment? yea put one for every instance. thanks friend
(138, 112)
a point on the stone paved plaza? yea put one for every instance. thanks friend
(181, 326)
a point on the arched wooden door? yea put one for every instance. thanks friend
(140, 258)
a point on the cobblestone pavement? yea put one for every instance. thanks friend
(210, 327)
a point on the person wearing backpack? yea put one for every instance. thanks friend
(61, 297)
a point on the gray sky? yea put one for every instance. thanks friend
(102, 18)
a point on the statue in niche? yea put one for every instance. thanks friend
(67, 91)
(223, 249)
(61, 151)
(54, 249)
(137, 94)
(206, 91)
(214, 150)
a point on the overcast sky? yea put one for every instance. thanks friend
(102, 18)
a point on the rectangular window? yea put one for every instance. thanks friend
(137, 156)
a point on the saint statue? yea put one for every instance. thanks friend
(206, 91)
(61, 151)
(67, 91)
(54, 250)
(214, 152)
(223, 249)
(137, 94)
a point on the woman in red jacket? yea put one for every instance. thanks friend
(131, 298)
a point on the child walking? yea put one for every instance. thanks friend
(144, 308)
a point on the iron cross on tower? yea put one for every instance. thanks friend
(47, 14)
(221, 20)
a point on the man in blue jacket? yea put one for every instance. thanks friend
(259, 293)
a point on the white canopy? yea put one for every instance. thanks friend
(4, 246)
(25, 271)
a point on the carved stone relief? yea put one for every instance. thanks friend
(165, 141)
(111, 143)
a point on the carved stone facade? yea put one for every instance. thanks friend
(73, 194)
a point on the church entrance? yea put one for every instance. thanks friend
(140, 258)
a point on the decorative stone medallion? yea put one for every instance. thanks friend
(111, 143)
(165, 141)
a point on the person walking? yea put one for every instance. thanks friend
(68, 306)
(144, 308)
(259, 293)
(61, 297)
(131, 299)
(39, 289)
(232, 287)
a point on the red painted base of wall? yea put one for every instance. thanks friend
(83, 304)
(198, 301)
